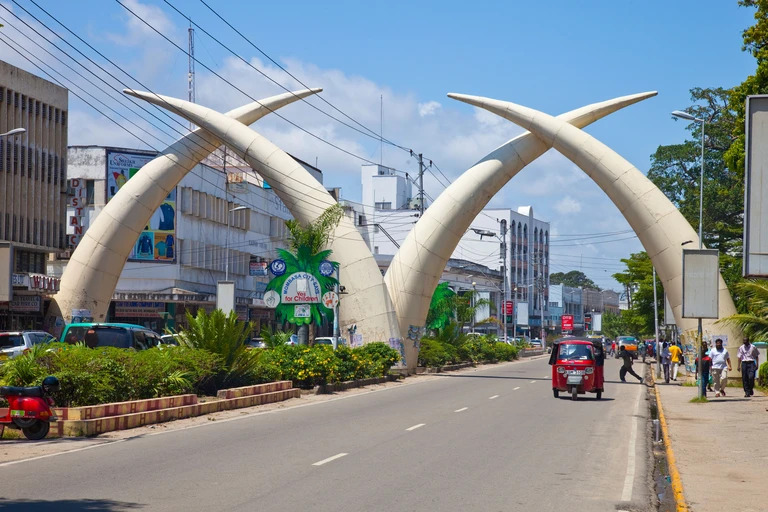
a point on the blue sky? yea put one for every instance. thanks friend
(553, 56)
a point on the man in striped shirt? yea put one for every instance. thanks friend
(748, 358)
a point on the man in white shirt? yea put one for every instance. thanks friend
(720, 361)
(749, 358)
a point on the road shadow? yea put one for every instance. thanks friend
(587, 398)
(486, 377)
(84, 505)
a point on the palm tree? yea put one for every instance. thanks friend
(754, 323)
(307, 244)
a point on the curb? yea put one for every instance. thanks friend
(676, 483)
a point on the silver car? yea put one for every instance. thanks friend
(15, 343)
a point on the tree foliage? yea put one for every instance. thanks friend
(574, 278)
(755, 322)
(638, 284)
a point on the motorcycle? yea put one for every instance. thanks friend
(29, 408)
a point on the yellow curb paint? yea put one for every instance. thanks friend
(677, 484)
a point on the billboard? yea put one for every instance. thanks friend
(756, 188)
(597, 322)
(566, 322)
(701, 280)
(157, 242)
(522, 313)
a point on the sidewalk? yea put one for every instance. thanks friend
(719, 446)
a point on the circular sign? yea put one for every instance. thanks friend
(277, 267)
(330, 300)
(271, 299)
(326, 268)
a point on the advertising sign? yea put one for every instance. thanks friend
(508, 307)
(522, 313)
(301, 311)
(157, 242)
(669, 317)
(597, 322)
(701, 280)
(136, 309)
(76, 222)
(756, 188)
(28, 303)
(301, 288)
(566, 322)
(257, 268)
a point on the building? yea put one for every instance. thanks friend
(214, 225)
(389, 210)
(33, 193)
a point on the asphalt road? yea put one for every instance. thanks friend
(486, 440)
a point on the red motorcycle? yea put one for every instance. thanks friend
(29, 408)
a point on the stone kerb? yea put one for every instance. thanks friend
(121, 408)
(254, 390)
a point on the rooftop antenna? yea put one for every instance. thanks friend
(191, 70)
(381, 129)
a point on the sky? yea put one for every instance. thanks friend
(387, 66)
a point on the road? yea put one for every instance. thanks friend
(491, 439)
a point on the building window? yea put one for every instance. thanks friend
(384, 206)
(89, 195)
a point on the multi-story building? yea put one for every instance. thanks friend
(33, 194)
(389, 211)
(191, 242)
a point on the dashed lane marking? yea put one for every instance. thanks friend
(518, 387)
(329, 459)
(415, 427)
(462, 409)
(492, 397)
(532, 382)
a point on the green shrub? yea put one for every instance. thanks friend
(432, 353)
(381, 355)
(762, 374)
(505, 352)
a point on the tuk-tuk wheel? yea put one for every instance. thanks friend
(574, 393)
(556, 392)
(599, 394)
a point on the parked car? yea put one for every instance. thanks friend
(15, 343)
(255, 343)
(328, 340)
(294, 340)
(536, 343)
(111, 335)
(170, 339)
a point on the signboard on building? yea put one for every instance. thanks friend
(508, 307)
(756, 188)
(77, 202)
(26, 303)
(257, 268)
(522, 313)
(43, 283)
(566, 322)
(301, 288)
(157, 242)
(139, 309)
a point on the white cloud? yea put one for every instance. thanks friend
(428, 108)
(568, 206)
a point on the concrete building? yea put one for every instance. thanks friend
(192, 241)
(389, 211)
(33, 194)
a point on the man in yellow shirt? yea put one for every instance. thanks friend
(675, 357)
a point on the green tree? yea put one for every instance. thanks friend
(753, 323)
(638, 283)
(441, 307)
(574, 278)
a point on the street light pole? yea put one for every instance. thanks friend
(226, 263)
(689, 117)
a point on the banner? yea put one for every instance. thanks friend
(157, 242)
(138, 309)
(27, 303)
(566, 322)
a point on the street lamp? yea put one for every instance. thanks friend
(226, 264)
(689, 117)
(13, 132)
(472, 305)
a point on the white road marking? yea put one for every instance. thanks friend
(61, 453)
(329, 459)
(518, 387)
(629, 479)
(462, 409)
(532, 382)
(415, 427)
(492, 397)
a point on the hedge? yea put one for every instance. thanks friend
(437, 353)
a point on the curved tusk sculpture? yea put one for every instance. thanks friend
(94, 268)
(415, 270)
(660, 227)
(367, 303)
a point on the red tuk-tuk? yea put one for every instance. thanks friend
(577, 367)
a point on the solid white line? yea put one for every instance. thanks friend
(492, 397)
(462, 409)
(629, 479)
(518, 387)
(61, 453)
(415, 427)
(329, 459)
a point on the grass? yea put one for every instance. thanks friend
(698, 400)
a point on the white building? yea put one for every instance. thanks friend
(389, 211)
(183, 251)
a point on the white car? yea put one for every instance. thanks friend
(15, 343)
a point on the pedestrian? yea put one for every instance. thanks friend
(613, 348)
(627, 366)
(706, 366)
(748, 359)
(720, 360)
(641, 349)
(675, 357)
(665, 361)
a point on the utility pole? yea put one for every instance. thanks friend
(503, 231)
(656, 326)
(421, 186)
(191, 69)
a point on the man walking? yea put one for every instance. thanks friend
(748, 359)
(720, 360)
(675, 357)
(665, 361)
(627, 366)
